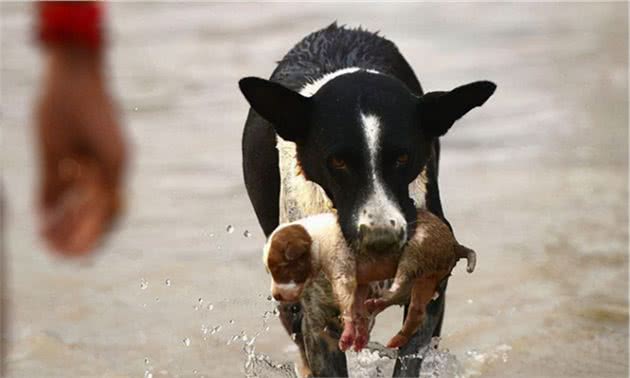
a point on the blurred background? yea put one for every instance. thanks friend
(536, 181)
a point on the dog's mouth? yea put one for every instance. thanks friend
(381, 240)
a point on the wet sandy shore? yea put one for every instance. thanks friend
(536, 181)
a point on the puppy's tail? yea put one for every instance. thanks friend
(468, 254)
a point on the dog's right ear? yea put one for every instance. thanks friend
(439, 110)
(287, 110)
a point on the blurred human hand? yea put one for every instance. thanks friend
(82, 152)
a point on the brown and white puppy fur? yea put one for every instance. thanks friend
(427, 259)
(297, 251)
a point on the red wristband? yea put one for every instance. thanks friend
(71, 23)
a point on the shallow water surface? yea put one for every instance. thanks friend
(535, 181)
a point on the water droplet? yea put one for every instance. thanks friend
(146, 360)
(276, 312)
(469, 301)
(266, 328)
(186, 341)
(143, 284)
(204, 329)
(196, 307)
(293, 336)
(269, 297)
(135, 109)
(215, 330)
(247, 234)
(148, 374)
(195, 371)
(231, 321)
(229, 228)
(210, 307)
(157, 299)
(200, 300)
(167, 282)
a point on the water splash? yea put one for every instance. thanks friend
(440, 363)
(215, 330)
(475, 359)
(374, 361)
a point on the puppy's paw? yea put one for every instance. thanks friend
(398, 341)
(376, 305)
(347, 338)
(362, 336)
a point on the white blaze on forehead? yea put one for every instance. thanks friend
(372, 129)
(312, 87)
(379, 208)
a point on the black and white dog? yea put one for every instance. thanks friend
(343, 125)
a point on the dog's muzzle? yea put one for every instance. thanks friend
(381, 233)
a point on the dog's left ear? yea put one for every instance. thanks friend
(439, 110)
(285, 109)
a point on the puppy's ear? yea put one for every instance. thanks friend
(285, 109)
(439, 110)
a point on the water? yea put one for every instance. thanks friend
(536, 182)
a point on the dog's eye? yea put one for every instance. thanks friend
(402, 160)
(337, 163)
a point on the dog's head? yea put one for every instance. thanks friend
(287, 256)
(364, 137)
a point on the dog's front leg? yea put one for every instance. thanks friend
(321, 330)
(409, 358)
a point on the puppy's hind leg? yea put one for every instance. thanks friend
(421, 294)
(344, 288)
(406, 273)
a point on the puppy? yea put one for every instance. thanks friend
(427, 259)
(296, 252)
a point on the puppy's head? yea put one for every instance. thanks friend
(288, 259)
